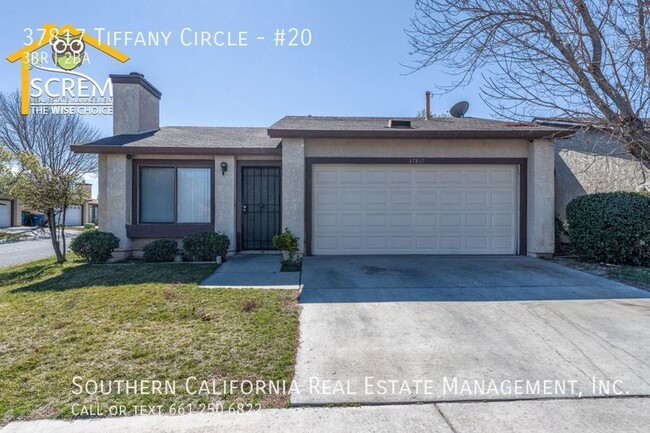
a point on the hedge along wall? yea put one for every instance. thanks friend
(611, 227)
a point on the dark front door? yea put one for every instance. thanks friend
(260, 212)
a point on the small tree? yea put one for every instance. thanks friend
(49, 171)
(40, 189)
(6, 175)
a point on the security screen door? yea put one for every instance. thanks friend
(260, 211)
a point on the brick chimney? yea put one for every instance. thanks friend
(136, 104)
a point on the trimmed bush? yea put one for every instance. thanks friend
(89, 226)
(206, 246)
(163, 250)
(95, 246)
(611, 227)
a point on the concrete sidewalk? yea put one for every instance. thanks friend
(257, 271)
(620, 415)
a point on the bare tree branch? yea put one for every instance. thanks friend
(570, 58)
(50, 173)
(47, 136)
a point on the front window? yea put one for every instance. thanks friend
(175, 195)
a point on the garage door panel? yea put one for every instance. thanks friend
(428, 209)
(451, 176)
(502, 198)
(476, 176)
(476, 198)
(480, 243)
(400, 177)
(354, 177)
(401, 198)
(502, 177)
(5, 213)
(324, 197)
(453, 198)
(426, 199)
(476, 220)
(426, 220)
(351, 197)
(351, 220)
(376, 198)
(426, 177)
(73, 216)
(325, 177)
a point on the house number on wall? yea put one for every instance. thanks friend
(416, 161)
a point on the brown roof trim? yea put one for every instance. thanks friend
(86, 148)
(135, 78)
(405, 134)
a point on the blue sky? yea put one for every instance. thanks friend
(351, 68)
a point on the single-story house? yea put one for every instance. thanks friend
(343, 185)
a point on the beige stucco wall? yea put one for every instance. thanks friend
(224, 200)
(114, 194)
(135, 109)
(416, 148)
(293, 188)
(591, 162)
(541, 198)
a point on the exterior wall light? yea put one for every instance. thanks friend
(224, 167)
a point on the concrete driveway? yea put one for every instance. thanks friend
(395, 329)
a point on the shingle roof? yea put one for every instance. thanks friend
(576, 122)
(439, 127)
(190, 139)
(233, 140)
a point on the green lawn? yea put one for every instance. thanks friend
(135, 322)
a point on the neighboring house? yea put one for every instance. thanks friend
(8, 212)
(592, 161)
(79, 214)
(11, 212)
(342, 185)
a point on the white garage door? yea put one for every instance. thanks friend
(415, 209)
(5, 213)
(73, 216)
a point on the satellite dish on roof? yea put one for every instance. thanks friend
(459, 109)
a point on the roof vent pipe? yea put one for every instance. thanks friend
(427, 109)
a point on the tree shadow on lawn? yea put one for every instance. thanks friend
(69, 277)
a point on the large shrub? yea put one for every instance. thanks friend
(95, 246)
(163, 250)
(611, 227)
(206, 246)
